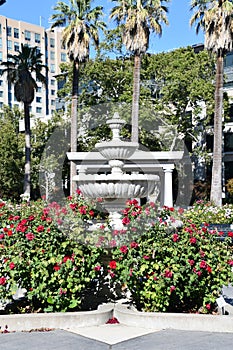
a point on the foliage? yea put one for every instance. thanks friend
(168, 259)
(174, 270)
(202, 211)
(37, 256)
(11, 154)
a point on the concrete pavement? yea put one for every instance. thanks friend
(159, 340)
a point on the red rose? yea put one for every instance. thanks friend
(168, 274)
(73, 206)
(203, 264)
(2, 281)
(91, 213)
(40, 228)
(146, 257)
(230, 262)
(193, 240)
(113, 264)
(30, 236)
(97, 268)
(11, 265)
(133, 245)
(191, 262)
(82, 210)
(2, 236)
(208, 306)
(230, 234)
(125, 221)
(9, 233)
(175, 237)
(124, 249)
(56, 267)
(172, 288)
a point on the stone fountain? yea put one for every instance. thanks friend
(118, 170)
(119, 183)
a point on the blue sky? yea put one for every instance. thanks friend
(177, 34)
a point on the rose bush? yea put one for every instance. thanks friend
(37, 256)
(168, 259)
(174, 269)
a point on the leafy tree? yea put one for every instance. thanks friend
(82, 25)
(11, 154)
(2, 2)
(179, 81)
(46, 157)
(138, 18)
(215, 18)
(23, 70)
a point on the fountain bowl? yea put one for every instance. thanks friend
(116, 149)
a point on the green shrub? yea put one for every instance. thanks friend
(174, 270)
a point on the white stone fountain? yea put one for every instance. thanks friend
(117, 170)
(117, 185)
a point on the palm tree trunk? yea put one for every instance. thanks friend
(74, 125)
(136, 96)
(216, 182)
(27, 173)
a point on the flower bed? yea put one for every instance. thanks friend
(169, 260)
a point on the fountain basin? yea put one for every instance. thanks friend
(116, 149)
(111, 186)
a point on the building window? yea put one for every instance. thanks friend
(1, 104)
(0, 29)
(52, 42)
(27, 35)
(53, 92)
(16, 33)
(38, 110)
(52, 68)
(37, 50)
(53, 102)
(16, 46)
(0, 56)
(38, 99)
(38, 89)
(1, 93)
(8, 31)
(9, 44)
(52, 82)
(37, 38)
(52, 55)
(1, 82)
(63, 57)
(0, 43)
(228, 61)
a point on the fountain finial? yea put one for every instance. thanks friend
(115, 125)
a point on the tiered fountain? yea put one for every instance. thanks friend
(116, 186)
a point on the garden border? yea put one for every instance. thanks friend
(126, 315)
(180, 321)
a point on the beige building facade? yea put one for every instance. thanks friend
(13, 33)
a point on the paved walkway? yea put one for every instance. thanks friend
(158, 340)
(119, 337)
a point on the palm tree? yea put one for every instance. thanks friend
(215, 18)
(23, 70)
(2, 2)
(83, 25)
(138, 18)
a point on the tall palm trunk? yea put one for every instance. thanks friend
(136, 96)
(27, 174)
(216, 182)
(74, 124)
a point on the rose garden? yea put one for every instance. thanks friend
(164, 259)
